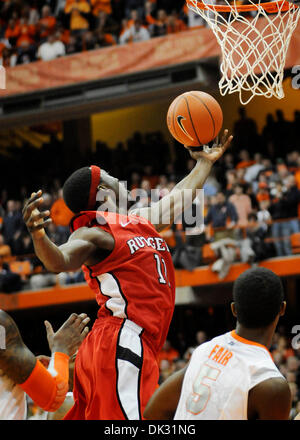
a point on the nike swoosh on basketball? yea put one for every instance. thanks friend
(179, 121)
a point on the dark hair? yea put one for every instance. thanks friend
(76, 190)
(258, 295)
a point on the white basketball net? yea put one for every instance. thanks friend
(253, 50)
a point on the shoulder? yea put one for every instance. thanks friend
(271, 399)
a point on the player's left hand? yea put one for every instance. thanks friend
(215, 152)
(34, 219)
(70, 335)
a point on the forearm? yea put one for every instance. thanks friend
(49, 254)
(196, 178)
(181, 197)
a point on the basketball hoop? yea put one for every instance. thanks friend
(253, 50)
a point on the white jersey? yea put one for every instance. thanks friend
(12, 400)
(219, 377)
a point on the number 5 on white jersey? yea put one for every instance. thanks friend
(198, 399)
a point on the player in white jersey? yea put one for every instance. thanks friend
(21, 371)
(233, 376)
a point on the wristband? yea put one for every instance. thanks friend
(48, 388)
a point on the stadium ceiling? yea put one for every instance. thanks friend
(83, 99)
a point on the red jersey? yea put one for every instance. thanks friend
(137, 280)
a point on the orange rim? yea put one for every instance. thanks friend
(271, 7)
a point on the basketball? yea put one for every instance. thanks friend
(194, 118)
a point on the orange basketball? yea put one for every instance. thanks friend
(194, 118)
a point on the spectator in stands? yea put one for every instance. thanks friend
(175, 24)
(292, 160)
(9, 281)
(46, 24)
(12, 32)
(134, 4)
(245, 132)
(25, 53)
(256, 234)
(252, 171)
(282, 136)
(135, 33)
(107, 24)
(51, 49)
(245, 161)
(231, 181)
(23, 244)
(149, 13)
(166, 368)
(292, 197)
(250, 192)
(57, 234)
(201, 337)
(269, 129)
(160, 27)
(282, 172)
(263, 214)
(168, 353)
(280, 228)
(218, 215)
(12, 223)
(26, 33)
(263, 192)
(242, 204)
(228, 162)
(134, 15)
(78, 12)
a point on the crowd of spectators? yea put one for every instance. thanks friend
(43, 30)
(251, 202)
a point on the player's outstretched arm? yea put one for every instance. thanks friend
(82, 244)
(163, 403)
(16, 360)
(270, 400)
(47, 388)
(164, 212)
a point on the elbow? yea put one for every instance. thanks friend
(55, 268)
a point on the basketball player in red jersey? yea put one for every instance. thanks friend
(129, 267)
